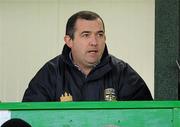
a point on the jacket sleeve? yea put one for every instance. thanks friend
(133, 86)
(42, 86)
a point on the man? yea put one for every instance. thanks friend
(85, 71)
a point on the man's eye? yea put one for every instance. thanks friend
(85, 35)
(100, 35)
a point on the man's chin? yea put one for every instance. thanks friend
(93, 64)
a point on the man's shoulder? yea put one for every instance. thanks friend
(55, 59)
(54, 62)
(117, 61)
(51, 67)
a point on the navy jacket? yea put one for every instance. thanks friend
(59, 75)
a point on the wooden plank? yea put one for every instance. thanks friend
(176, 118)
(97, 118)
(90, 105)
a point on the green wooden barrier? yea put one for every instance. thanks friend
(97, 114)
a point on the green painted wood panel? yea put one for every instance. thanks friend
(176, 118)
(97, 114)
(97, 118)
(90, 105)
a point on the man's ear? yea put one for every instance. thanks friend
(68, 41)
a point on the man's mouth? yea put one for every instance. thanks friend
(92, 51)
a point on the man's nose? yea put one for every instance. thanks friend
(93, 40)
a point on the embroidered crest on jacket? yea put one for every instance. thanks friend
(66, 97)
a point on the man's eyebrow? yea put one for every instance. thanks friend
(101, 31)
(85, 32)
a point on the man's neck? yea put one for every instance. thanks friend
(84, 69)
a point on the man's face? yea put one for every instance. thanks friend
(89, 42)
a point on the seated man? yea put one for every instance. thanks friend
(85, 71)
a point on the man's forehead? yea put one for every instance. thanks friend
(89, 25)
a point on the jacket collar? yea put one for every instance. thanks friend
(98, 71)
(66, 52)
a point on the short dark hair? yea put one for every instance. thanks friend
(16, 122)
(87, 15)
